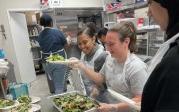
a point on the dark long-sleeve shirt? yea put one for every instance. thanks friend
(161, 92)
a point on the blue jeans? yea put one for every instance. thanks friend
(56, 76)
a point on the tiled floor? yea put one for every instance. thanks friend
(39, 87)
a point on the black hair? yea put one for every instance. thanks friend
(89, 30)
(101, 32)
(92, 26)
(46, 20)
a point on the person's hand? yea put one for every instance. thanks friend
(139, 105)
(95, 92)
(76, 63)
(68, 40)
(107, 107)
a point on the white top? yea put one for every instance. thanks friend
(87, 82)
(126, 78)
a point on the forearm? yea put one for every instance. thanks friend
(124, 106)
(116, 107)
(96, 77)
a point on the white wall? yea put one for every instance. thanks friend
(8, 44)
(1, 37)
(5, 5)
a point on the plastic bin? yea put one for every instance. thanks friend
(17, 90)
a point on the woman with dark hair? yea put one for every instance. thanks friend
(52, 41)
(90, 51)
(122, 71)
(161, 93)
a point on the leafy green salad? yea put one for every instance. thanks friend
(24, 104)
(23, 107)
(5, 103)
(55, 57)
(75, 103)
(24, 99)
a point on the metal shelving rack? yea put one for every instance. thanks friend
(129, 7)
(34, 30)
(151, 40)
(149, 36)
(148, 28)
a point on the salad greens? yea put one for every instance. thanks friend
(5, 103)
(74, 103)
(24, 103)
(23, 107)
(24, 99)
(55, 57)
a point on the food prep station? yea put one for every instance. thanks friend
(69, 20)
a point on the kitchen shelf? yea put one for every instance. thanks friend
(148, 28)
(129, 7)
(35, 47)
(149, 36)
(32, 25)
(33, 36)
(37, 59)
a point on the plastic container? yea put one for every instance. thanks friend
(9, 97)
(2, 54)
(17, 90)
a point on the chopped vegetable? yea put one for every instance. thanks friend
(75, 103)
(24, 103)
(23, 107)
(5, 103)
(55, 57)
(24, 99)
